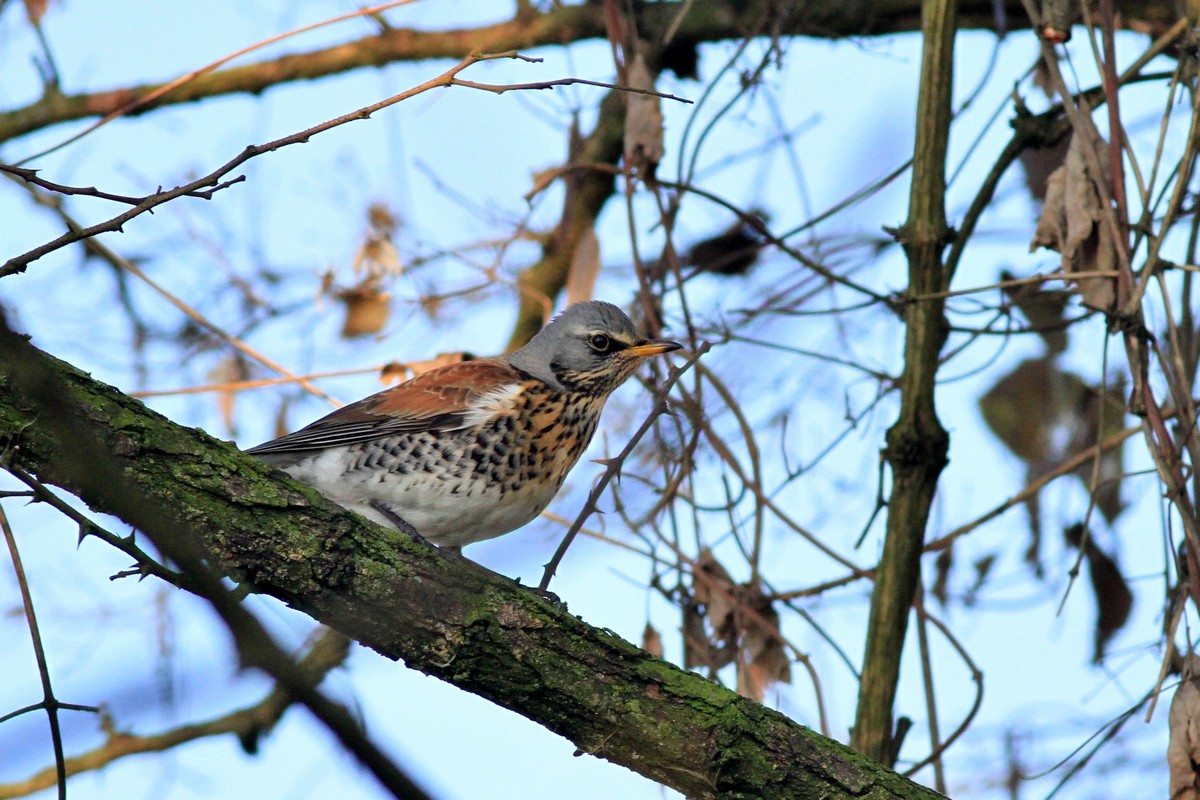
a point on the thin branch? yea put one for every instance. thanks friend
(144, 564)
(216, 180)
(144, 100)
(248, 724)
(501, 88)
(48, 700)
(707, 21)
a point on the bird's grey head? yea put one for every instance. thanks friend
(591, 347)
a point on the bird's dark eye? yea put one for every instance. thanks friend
(600, 343)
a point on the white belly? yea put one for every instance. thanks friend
(452, 512)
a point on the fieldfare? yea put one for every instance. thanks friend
(473, 450)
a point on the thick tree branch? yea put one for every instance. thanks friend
(917, 444)
(83, 457)
(444, 616)
(705, 21)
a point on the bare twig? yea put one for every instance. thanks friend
(216, 180)
(247, 724)
(144, 99)
(49, 702)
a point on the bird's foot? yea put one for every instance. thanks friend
(399, 522)
(547, 595)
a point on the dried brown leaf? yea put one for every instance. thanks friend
(698, 649)
(1072, 222)
(585, 268)
(941, 566)
(381, 219)
(709, 622)
(652, 641)
(1045, 415)
(1183, 749)
(1044, 308)
(377, 255)
(764, 661)
(1022, 409)
(1039, 163)
(643, 119)
(1100, 414)
(35, 10)
(714, 589)
(367, 308)
(983, 568)
(230, 369)
(1114, 600)
(733, 251)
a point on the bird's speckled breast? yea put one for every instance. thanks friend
(457, 487)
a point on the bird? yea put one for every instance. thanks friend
(472, 450)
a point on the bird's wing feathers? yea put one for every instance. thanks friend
(446, 399)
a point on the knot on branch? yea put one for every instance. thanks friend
(926, 449)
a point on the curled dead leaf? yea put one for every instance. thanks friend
(764, 660)
(733, 251)
(983, 568)
(1072, 222)
(377, 255)
(652, 641)
(1100, 413)
(1044, 309)
(714, 589)
(1023, 408)
(1114, 600)
(230, 369)
(1039, 163)
(1183, 748)
(697, 649)
(1045, 415)
(643, 119)
(941, 581)
(725, 622)
(367, 308)
(585, 267)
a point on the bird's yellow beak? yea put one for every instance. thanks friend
(653, 347)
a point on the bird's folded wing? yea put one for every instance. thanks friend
(450, 398)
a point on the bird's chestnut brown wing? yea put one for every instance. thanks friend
(445, 399)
